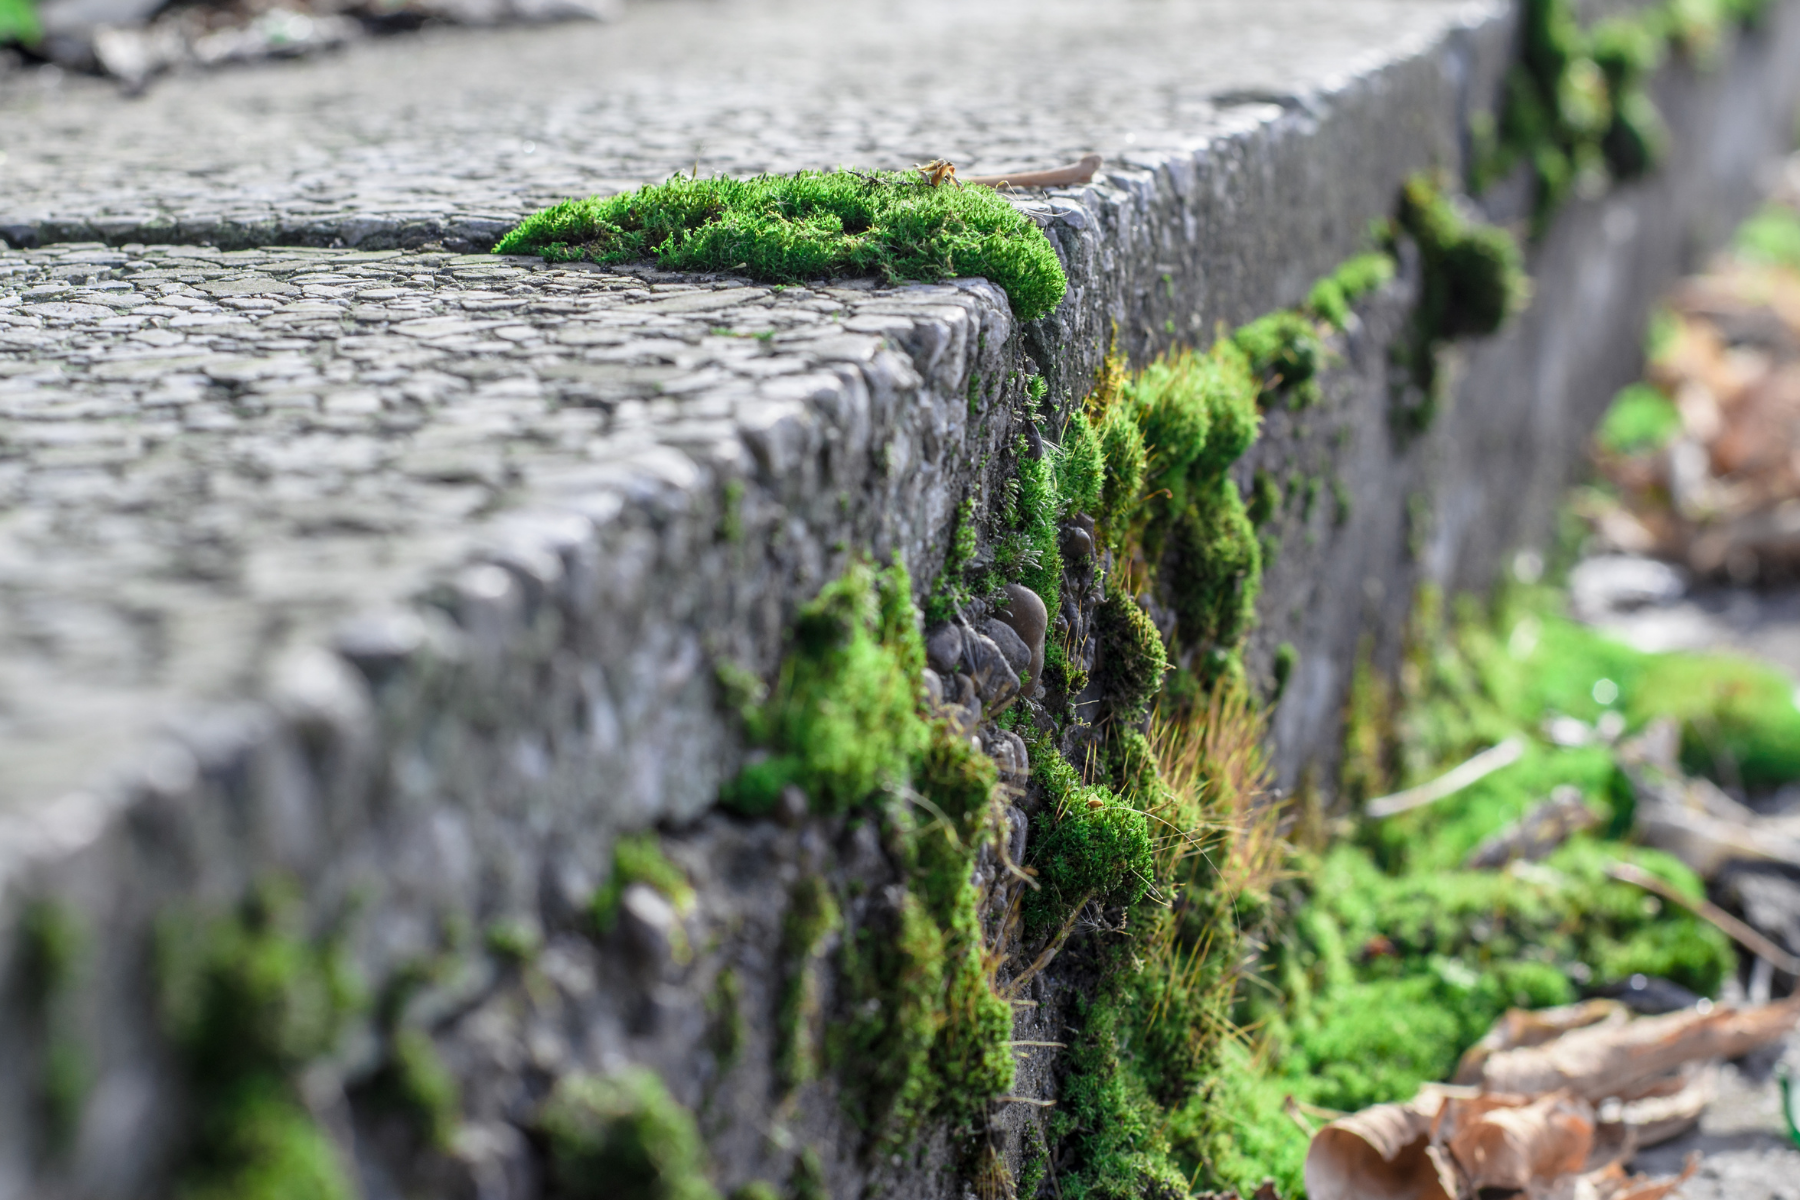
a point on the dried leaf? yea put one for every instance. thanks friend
(1514, 1147)
(1381, 1153)
(1603, 1061)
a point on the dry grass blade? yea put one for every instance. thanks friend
(1076, 172)
(1451, 782)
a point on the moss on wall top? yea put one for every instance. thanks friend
(806, 226)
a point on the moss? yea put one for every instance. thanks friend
(1034, 1164)
(621, 1137)
(898, 963)
(247, 1001)
(639, 859)
(1332, 298)
(1771, 237)
(52, 945)
(513, 941)
(1212, 567)
(951, 592)
(1080, 466)
(1283, 353)
(1472, 279)
(1739, 723)
(807, 1180)
(416, 1082)
(731, 512)
(1028, 539)
(1265, 498)
(1640, 420)
(1131, 661)
(1286, 659)
(1340, 504)
(1097, 848)
(756, 1189)
(1127, 464)
(842, 719)
(811, 918)
(808, 226)
(19, 23)
(727, 1030)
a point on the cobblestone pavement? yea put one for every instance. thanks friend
(204, 455)
(455, 134)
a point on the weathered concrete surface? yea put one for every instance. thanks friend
(405, 573)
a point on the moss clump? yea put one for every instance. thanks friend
(51, 947)
(931, 1038)
(1213, 553)
(1739, 723)
(842, 720)
(1641, 420)
(247, 1000)
(416, 1082)
(1097, 848)
(807, 226)
(1577, 111)
(1332, 298)
(639, 859)
(812, 916)
(1472, 279)
(1027, 538)
(19, 23)
(1131, 662)
(1284, 353)
(1771, 237)
(622, 1137)
(1080, 466)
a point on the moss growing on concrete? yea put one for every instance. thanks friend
(808, 226)
(1333, 297)
(1472, 278)
(416, 1082)
(1131, 662)
(51, 946)
(247, 1001)
(1576, 111)
(621, 1137)
(842, 720)
(1080, 466)
(1284, 353)
(811, 918)
(639, 858)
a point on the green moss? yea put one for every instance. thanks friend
(1131, 661)
(639, 859)
(622, 1137)
(1284, 354)
(842, 719)
(513, 941)
(1127, 464)
(416, 1082)
(1027, 538)
(247, 1001)
(1034, 1164)
(19, 23)
(1265, 499)
(727, 1030)
(1472, 279)
(52, 945)
(1213, 566)
(951, 591)
(1080, 466)
(811, 918)
(1286, 659)
(731, 512)
(808, 226)
(756, 1189)
(1739, 722)
(807, 1180)
(899, 964)
(1097, 848)
(1333, 297)
(1771, 237)
(1640, 420)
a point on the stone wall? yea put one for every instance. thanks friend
(405, 575)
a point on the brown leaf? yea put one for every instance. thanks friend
(1603, 1061)
(1381, 1153)
(1513, 1147)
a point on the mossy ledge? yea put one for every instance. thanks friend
(807, 226)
